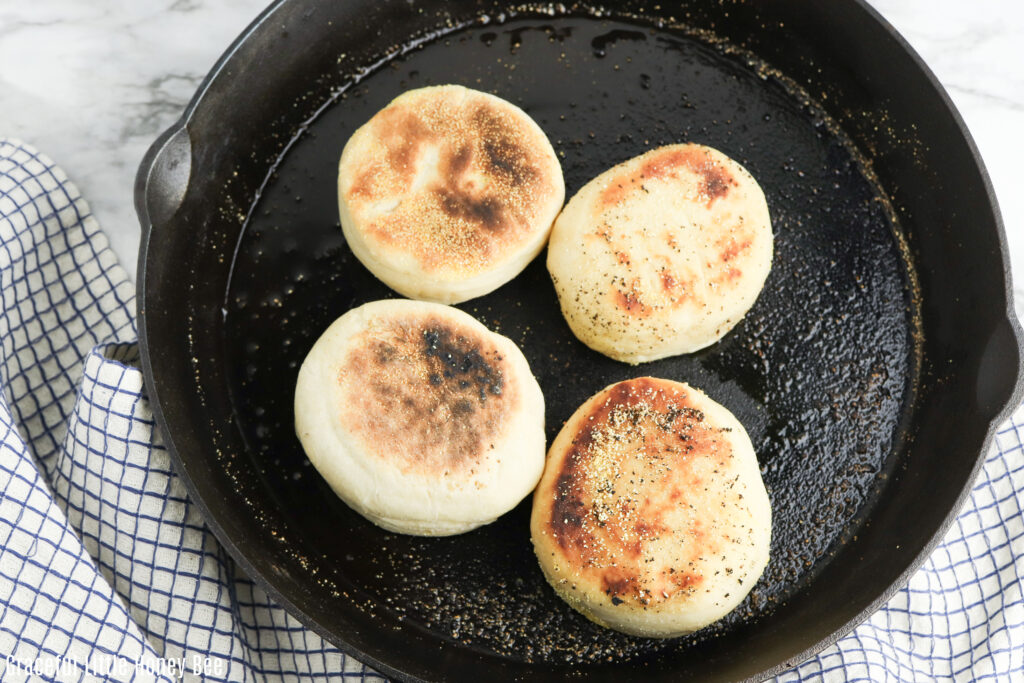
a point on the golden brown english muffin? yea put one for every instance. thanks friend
(420, 418)
(651, 517)
(662, 254)
(447, 193)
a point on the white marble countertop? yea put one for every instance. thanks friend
(91, 84)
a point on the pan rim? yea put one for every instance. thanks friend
(148, 167)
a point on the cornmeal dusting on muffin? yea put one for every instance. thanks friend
(622, 496)
(453, 182)
(661, 254)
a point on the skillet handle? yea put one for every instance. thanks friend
(163, 178)
(1000, 387)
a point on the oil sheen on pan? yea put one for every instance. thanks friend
(820, 372)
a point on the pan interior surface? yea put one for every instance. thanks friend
(821, 372)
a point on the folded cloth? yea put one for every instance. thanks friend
(108, 572)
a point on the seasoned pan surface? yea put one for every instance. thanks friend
(868, 374)
(821, 372)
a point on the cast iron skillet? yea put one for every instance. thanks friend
(869, 373)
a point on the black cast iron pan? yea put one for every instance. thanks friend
(869, 373)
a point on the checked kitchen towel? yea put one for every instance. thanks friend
(107, 571)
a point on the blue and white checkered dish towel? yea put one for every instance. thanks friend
(107, 571)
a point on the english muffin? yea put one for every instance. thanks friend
(662, 254)
(651, 517)
(447, 193)
(420, 418)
